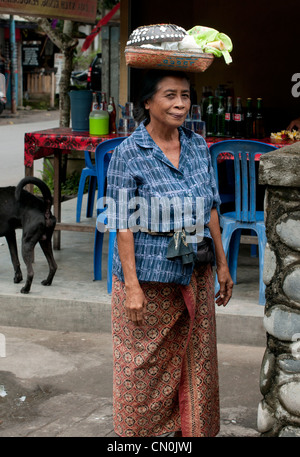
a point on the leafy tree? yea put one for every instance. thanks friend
(66, 43)
(66, 39)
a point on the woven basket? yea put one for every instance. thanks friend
(137, 57)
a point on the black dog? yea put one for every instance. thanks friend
(22, 209)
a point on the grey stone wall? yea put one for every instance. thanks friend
(279, 409)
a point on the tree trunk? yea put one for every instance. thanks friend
(68, 53)
(66, 43)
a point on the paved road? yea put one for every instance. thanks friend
(59, 384)
(12, 130)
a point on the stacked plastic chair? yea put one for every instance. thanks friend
(245, 216)
(103, 154)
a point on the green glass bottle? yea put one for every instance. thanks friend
(229, 118)
(259, 121)
(220, 118)
(249, 130)
(238, 119)
(210, 116)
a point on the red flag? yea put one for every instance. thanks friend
(89, 39)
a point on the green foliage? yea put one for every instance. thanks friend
(48, 174)
(43, 104)
(69, 187)
(82, 62)
(108, 4)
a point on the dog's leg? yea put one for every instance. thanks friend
(27, 252)
(47, 250)
(13, 250)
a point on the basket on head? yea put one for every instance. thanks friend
(150, 57)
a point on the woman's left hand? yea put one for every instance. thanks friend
(226, 285)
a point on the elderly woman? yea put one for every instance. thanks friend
(163, 316)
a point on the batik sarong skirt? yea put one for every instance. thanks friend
(166, 371)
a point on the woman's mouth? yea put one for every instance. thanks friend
(178, 117)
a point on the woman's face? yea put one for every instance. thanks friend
(171, 102)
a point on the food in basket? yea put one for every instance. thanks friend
(210, 40)
(285, 135)
(158, 33)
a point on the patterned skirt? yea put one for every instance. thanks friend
(166, 371)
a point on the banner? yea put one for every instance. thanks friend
(89, 39)
(74, 10)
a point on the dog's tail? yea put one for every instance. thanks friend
(43, 188)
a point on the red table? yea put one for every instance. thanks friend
(56, 142)
(60, 141)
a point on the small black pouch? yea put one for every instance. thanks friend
(205, 252)
(179, 248)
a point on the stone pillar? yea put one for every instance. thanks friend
(279, 410)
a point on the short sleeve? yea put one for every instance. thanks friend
(121, 188)
(216, 201)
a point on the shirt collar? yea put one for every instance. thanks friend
(144, 140)
(142, 137)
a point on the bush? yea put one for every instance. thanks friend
(69, 187)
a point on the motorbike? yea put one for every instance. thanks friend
(79, 78)
(3, 99)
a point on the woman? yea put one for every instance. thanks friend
(163, 321)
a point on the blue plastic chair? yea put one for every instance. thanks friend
(245, 215)
(102, 158)
(89, 171)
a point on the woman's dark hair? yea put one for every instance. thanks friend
(149, 88)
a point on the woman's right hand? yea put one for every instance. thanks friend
(135, 299)
(135, 304)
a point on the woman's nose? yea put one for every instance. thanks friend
(179, 102)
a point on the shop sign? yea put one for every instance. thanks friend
(30, 55)
(75, 10)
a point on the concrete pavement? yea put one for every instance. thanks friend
(57, 373)
(56, 376)
(75, 302)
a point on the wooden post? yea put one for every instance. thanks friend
(57, 197)
(124, 32)
(52, 93)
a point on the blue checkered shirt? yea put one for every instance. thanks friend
(140, 171)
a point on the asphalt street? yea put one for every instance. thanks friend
(12, 130)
